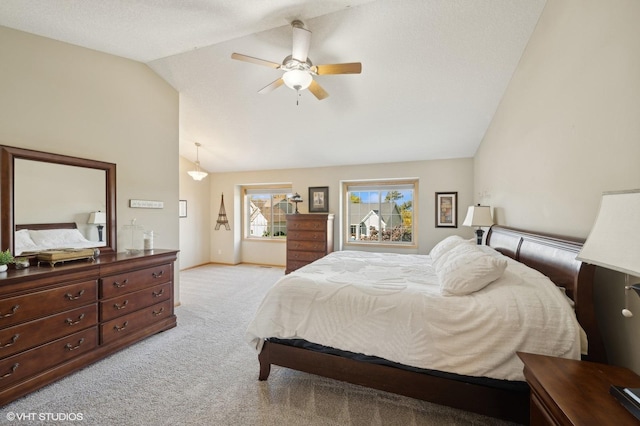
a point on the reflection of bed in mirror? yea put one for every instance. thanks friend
(31, 239)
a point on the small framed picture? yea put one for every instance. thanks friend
(446, 209)
(182, 208)
(319, 199)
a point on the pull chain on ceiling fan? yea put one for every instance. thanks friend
(298, 68)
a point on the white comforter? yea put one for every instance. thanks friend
(390, 306)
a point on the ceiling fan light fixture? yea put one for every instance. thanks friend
(297, 79)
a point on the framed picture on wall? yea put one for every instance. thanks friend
(319, 199)
(446, 209)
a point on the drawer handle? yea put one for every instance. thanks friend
(13, 311)
(13, 340)
(119, 306)
(118, 328)
(13, 370)
(72, 297)
(157, 274)
(70, 347)
(69, 321)
(156, 313)
(119, 284)
(158, 293)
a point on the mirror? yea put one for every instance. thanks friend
(43, 188)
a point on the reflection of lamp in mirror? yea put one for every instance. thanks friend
(98, 219)
(296, 199)
(478, 216)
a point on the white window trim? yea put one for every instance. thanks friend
(260, 189)
(407, 183)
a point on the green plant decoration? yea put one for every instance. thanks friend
(6, 257)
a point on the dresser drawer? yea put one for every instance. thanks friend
(116, 285)
(117, 328)
(306, 256)
(28, 363)
(306, 245)
(33, 333)
(305, 223)
(14, 310)
(306, 235)
(122, 305)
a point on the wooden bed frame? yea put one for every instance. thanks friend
(64, 225)
(552, 255)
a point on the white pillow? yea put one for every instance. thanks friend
(457, 250)
(445, 245)
(56, 237)
(467, 269)
(23, 241)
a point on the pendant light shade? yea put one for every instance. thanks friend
(197, 174)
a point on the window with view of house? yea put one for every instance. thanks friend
(265, 212)
(380, 212)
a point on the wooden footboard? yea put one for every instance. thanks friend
(490, 401)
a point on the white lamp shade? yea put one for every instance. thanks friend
(297, 79)
(478, 216)
(97, 218)
(614, 240)
(197, 174)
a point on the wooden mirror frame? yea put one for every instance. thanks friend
(9, 154)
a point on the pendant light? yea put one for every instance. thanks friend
(197, 174)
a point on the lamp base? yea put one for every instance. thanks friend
(100, 232)
(479, 233)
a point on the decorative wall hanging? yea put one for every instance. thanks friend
(146, 204)
(222, 216)
(446, 209)
(319, 199)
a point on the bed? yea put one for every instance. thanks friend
(552, 256)
(31, 239)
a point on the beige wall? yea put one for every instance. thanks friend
(65, 99)
(434, 176)
(195, 229)
(568, 129)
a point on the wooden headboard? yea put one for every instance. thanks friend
(555, 257)
(65, 225)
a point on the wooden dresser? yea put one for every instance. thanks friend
(309, 237)
(56, 320)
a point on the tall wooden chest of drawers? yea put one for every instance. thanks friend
(309, 237)
(56, 320)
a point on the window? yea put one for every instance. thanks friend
(380, 212)
(265, 212)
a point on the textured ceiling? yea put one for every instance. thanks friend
(433, 71)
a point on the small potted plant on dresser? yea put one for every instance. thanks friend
(5, 258)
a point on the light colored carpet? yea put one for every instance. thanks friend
(203, 373)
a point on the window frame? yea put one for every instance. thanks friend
(248, 190)
(379, 185)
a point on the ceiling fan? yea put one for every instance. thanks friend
(298, 68)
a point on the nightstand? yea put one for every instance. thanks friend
(571, 392)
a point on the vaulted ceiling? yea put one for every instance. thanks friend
(433, 71)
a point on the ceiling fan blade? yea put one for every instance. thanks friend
(271, 87)
(301, 43)
(348, 68)
(253, 60)
(317, 90)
